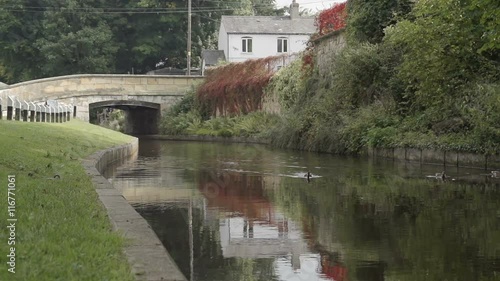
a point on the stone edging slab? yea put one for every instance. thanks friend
(147, 256)
(249, 140)
(439, 157)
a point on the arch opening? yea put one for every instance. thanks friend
(128, 116)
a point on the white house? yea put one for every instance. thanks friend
(251, 37)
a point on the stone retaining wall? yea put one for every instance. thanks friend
(327, 47)
(445, 158)
(205, 138)
(147, 256)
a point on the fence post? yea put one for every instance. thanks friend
(52, 114)
(68, 111)
(43, 111)
(59, 108)
(10, 107)
(1, 112)
(38, 110)
(24, 110)
(32, 109)
(17, 108)
(48, 114)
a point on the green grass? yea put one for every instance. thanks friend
(62, 230)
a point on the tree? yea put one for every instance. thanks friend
(441, 53)
(367, 18)
(48, 37)
(19, 58)
(490, 18)
(75, 41)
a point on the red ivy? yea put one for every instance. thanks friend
(308, 60)
(332, 19)
(237, 88)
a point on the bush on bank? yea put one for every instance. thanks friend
(426, 84)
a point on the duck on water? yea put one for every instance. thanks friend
(439, 176)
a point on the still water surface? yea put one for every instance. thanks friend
(246, 212)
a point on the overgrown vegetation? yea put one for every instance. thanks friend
(236, 88)
(422, 74)
(331, 19)
(255, 124)
(422, 81)
(233, 92)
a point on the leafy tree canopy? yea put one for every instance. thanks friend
(367, 18)
(50, 37)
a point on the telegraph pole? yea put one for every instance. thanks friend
(189, 40)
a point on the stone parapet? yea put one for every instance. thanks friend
(96, 84)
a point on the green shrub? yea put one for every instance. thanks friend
(179, 124)
(288, 85)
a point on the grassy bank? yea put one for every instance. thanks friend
(62, 232)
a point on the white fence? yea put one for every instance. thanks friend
(49, 111)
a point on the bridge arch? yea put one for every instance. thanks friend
(141, 117)
(124, 103)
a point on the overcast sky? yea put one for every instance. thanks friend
(314, 5)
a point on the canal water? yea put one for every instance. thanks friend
(248, 212)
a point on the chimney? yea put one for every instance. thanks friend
(294, 10)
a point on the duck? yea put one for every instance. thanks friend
(441, 175)
(308, 175)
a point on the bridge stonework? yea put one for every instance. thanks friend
(85, 89)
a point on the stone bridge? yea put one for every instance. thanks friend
(143, 97)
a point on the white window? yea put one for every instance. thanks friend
(246, 44)
(282, 45)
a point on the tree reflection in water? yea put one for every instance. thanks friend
(361, 220)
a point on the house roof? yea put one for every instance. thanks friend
(212, 57)
(268, 25)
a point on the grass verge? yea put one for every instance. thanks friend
(62, 231)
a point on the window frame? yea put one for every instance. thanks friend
(246, 45)
(283, 43)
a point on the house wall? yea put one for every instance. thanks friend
(263, 45)
(222, 44)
